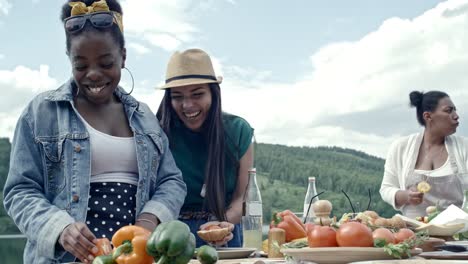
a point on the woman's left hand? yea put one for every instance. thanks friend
(222, 224)
(414, 196)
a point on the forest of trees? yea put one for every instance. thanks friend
(283, 177)
(6, 225)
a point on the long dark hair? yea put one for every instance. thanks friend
(425, 102)
(213, 132)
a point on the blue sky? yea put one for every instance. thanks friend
(307, 73)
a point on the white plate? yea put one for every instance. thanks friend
(441, 230)
(339, 255)
(234, 253)
(433, 230)
(410, 221)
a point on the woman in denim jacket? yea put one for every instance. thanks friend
(88, 158)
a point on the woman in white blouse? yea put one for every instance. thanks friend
(434, 156)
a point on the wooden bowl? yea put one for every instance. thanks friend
(431, 243)
(213, 234)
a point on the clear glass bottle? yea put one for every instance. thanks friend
(464, 235)
(252, 218)
(311, 192)
(465, 202)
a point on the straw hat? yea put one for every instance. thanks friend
(192, 66)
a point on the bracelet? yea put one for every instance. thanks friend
(146, 220)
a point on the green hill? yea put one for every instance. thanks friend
(5, 147)
(6, 225)
(282, 176)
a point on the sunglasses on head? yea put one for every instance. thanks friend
(75, 24)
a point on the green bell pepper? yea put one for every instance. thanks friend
(207, 255)
(126, 247)
(187, 254)
(104, 259)
(171, 242)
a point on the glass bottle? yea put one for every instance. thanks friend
(252, 218)
(465, 202)
(311, 192)
(464, 235)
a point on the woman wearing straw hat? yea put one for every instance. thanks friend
(213, 149)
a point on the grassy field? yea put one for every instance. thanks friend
(11, 250)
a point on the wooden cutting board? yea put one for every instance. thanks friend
(411, 261)
(339, 255)
(431, 243)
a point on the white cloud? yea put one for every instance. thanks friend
(18, 87)
(164, 24)
(381, 68)
(373, 74)
(2, 56)
(25, 79)
(368, 80)
(5, 7)
(164, 41)
(138, 48)
(151, 98)
(328, 136)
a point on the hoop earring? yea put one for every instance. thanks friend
(133, 82)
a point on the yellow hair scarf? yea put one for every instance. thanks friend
(80, 8)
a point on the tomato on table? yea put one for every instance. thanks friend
(354, 234)
(322, 236)
(403, 234)
(383, 234)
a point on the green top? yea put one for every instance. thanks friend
(190, 153)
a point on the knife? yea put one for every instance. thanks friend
(451, 248)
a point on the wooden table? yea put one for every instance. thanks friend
(413, 260)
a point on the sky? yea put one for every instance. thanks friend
(305, 73)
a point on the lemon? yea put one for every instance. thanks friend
(265, 246)
(302, 239)
(424, 187)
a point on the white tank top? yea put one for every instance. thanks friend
(443, 170)
(113, 159)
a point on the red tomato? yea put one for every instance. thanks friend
(309, 227)
(403, 234)
(385, 234)
(354, 234)
(322, 236)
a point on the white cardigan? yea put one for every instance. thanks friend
(401, 161)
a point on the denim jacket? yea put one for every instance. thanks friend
(49, 179)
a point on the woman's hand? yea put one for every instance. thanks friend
(147, 221)
(411, 196)
(414, 196)
(77, 239)
(222, 224)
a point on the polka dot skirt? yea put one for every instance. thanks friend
(111, 206)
